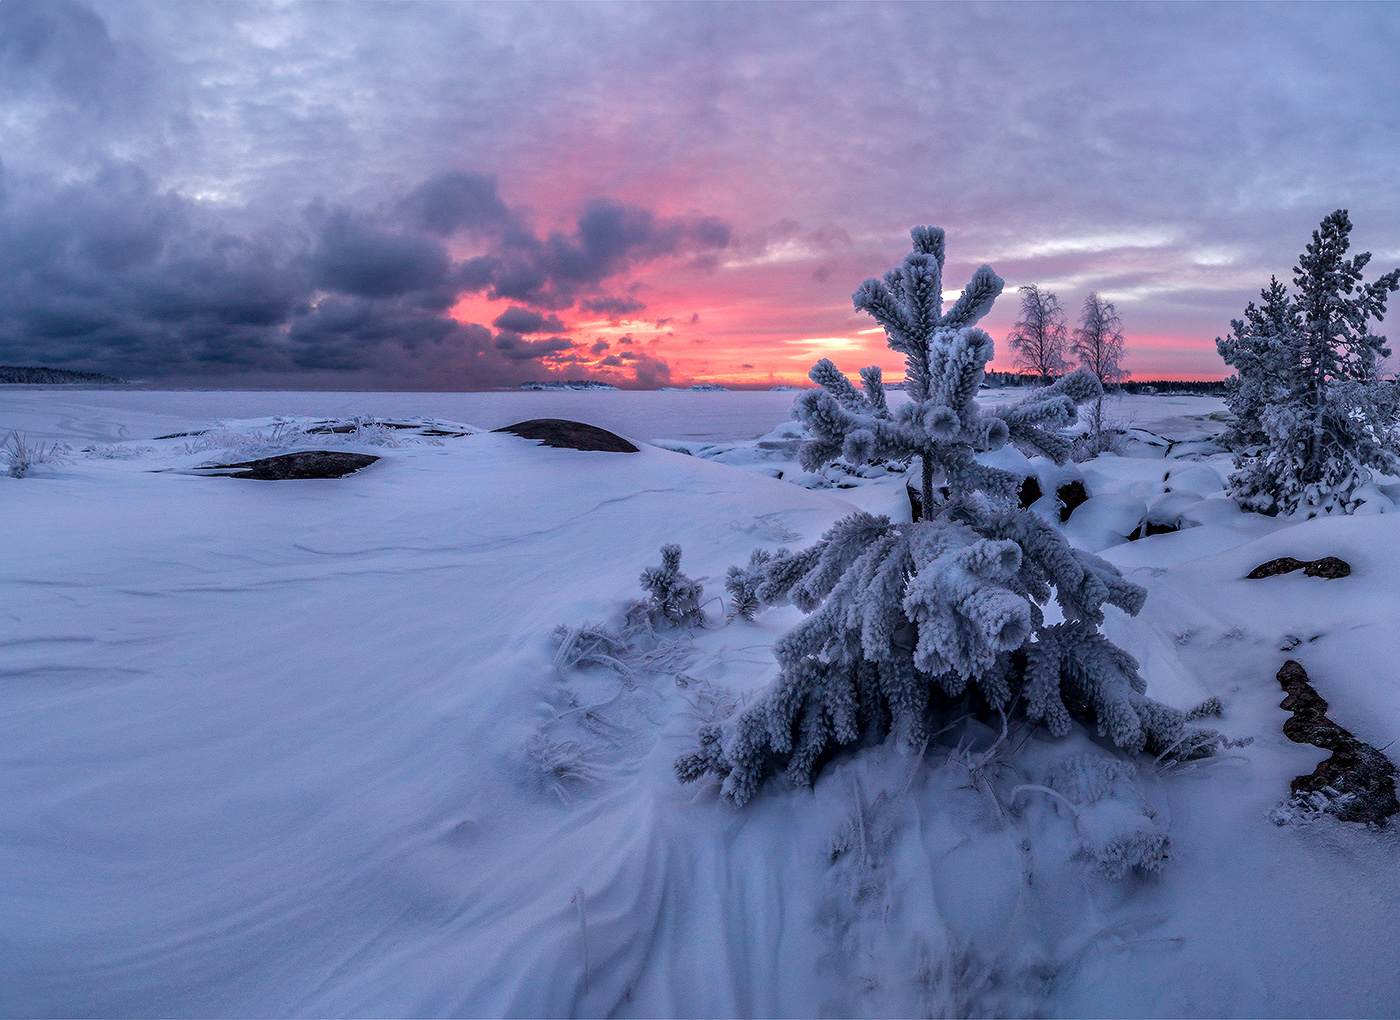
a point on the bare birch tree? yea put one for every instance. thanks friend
(1098, 344)
(1040, 336)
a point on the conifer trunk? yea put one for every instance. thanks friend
(928, 485)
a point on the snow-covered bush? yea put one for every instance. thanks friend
(374, 432)
(1314, 419)
(675, 598)
(909, 622)
(283, 434)
(22, 456)
(1117, 828)
(743, 584)
(608, 682)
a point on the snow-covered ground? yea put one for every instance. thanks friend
(306, 748)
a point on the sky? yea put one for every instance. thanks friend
(453, 196)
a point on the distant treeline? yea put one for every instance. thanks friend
(1214, 387)
(1011, 378)
(1136, 386)
(51, 376)
(566, 384)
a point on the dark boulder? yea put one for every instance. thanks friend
(1282, 565)
(569, 435)
(302, 464)
(1328, 567)
(1070, 495)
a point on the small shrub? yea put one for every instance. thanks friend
(22, 456)
(675, 598)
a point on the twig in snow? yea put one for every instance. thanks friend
(1037, 788)
(583, 933)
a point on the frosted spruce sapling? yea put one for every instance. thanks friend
(908, 622)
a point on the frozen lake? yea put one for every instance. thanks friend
(61, 414)
(113, 415)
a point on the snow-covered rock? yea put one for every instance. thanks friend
(1107, 520)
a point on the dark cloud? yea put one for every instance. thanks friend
(650, 371)
(525, 320)
(554, 272)
(355, 256)
(457, 200)
(599, 347)
(516, 348)
(348, 332)
(615, 308)
(62, 51)
(113, 273)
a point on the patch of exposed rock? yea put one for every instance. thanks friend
(1070, 495)
(302, 464)
(1328, 566)
(569, 435)
(1357, 780)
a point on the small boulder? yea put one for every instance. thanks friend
(1328, 567)
(1070, 495)
(1282, 565)
(569, 435)
(1103, 521)
(302, 464)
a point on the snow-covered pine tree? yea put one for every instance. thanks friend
(908, 621)
(1040, 334)
(1325, 415)
(1257, 348)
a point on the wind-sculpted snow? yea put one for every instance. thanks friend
(306, 749)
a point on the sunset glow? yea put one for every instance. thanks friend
(463, 196)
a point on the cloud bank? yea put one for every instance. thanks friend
(471, 195)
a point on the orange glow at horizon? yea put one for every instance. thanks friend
(720, 334)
